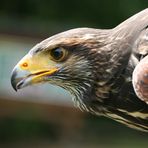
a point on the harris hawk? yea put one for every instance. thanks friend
(105, 70)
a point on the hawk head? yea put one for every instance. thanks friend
(66, 59)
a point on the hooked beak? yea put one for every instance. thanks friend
(21, 79)
(18, 78)
(32, 73)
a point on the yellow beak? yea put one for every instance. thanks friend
(31, 70)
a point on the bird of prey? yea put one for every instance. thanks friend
(96, 66)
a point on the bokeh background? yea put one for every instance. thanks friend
(44, 116)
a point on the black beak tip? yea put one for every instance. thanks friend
(13, 80)
(14, 86)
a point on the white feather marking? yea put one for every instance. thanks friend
(135, 114)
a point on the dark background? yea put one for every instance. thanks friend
(44, 17)
(32, 122)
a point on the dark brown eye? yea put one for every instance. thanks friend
(58, 54)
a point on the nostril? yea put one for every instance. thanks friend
(25, 64)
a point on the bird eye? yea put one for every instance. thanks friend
(58, 54)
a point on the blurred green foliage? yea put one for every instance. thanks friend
(43, 18)
(16, 128)
(94, 131)
(107, 13)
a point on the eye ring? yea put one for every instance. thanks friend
(58, 54)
